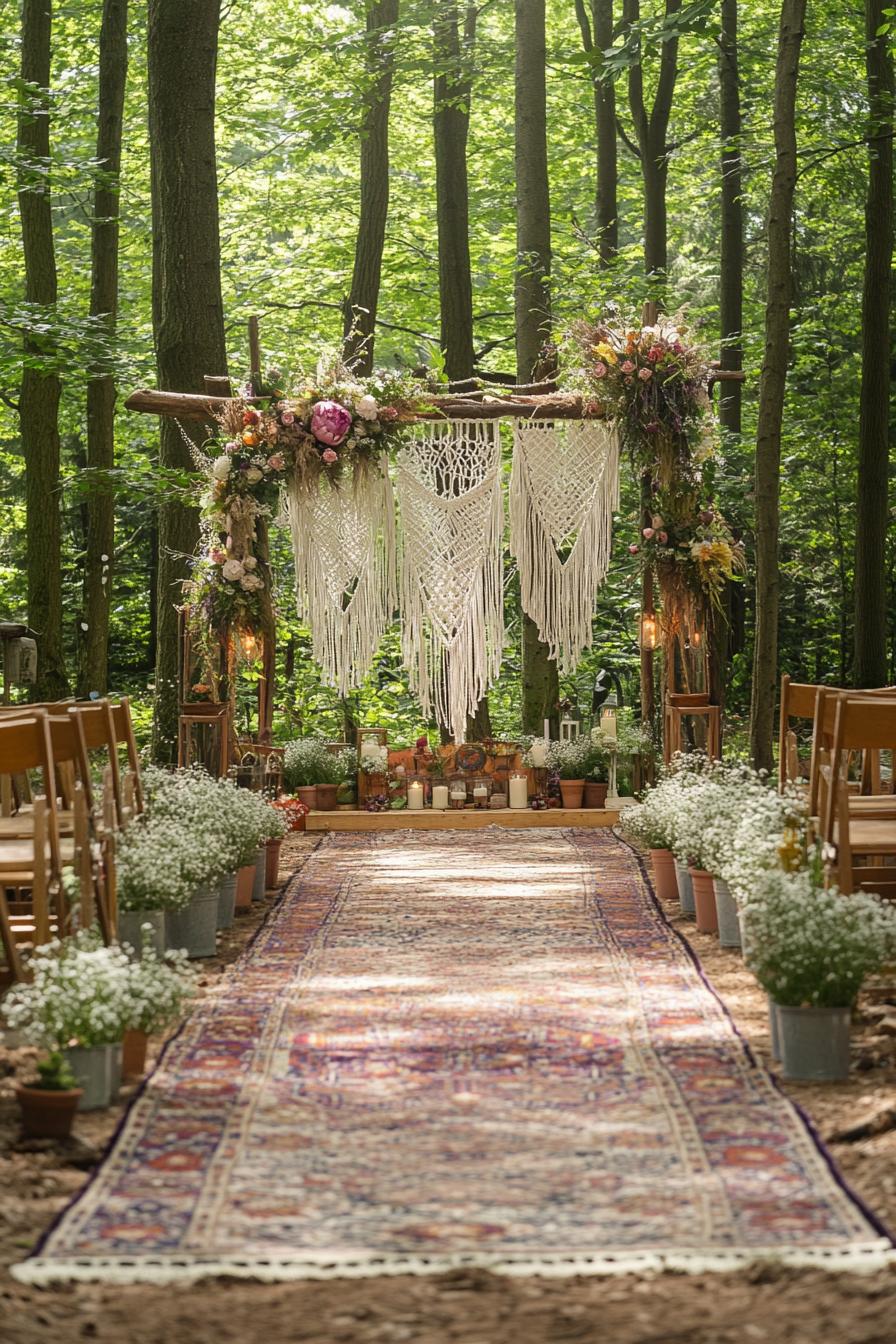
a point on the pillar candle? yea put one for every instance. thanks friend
(440, 796)
(480, 794)
(415, 795)
(519, 791)
(547, 730)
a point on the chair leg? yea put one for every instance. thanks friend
(40, 891)
(83, 863)
(13, 958)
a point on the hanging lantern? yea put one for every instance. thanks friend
(648, 630)
(570, 725)
(608, 719)
(250, 645)
(696, 638)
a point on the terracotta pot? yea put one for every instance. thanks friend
(47, 1114)
(133, 1054)
(665, 883)
(704, 901)
(572, 791)
(326, 797)
(272, 863)
(595, 794)
(307, 794)
(245, 881)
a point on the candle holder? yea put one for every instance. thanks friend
(457, 792)
(481, 791)
(613, 799)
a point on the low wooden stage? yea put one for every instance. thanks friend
(455, 820)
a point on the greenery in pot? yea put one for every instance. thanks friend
(54, 1074)
(151, 869)
(306, 762)
(812, 947)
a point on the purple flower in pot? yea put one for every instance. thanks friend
(330, 422)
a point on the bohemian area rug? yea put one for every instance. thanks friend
(446, 1049)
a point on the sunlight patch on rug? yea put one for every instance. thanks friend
(465, 1048)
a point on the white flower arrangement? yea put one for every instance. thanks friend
(151, 865)
(159, 987)
(80, 994)
(223, 825)
(572, 759)
(808, 946)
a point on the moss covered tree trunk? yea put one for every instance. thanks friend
(540, 690)
(596, 27)
(41, 387)
(188, 320)
(98, 571)
(453, 51)
(772, 385)
(872, 511)
(363, 299)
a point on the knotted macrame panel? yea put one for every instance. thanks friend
(452, 573)
(564, 489)
(344, 545)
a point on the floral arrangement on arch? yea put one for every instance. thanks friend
(331, 426)
(655, 381)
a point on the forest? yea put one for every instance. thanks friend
(442, 185)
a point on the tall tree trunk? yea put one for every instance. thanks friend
(40, 390)
(451, 122)
(188, 319)
(98, 571)
(532, 293)
(731, 289)
(872, 505)
(772, 386)
(597, 35)
(361, 304)
(533, 202)
(651, 130)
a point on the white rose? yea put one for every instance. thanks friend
(367, 408)
(250, 583)
(232, 570)
(254, 475)
(250, 562)
(221, 468)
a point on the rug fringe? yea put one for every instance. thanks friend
(866, 1259)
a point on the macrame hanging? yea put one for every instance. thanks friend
(452, 573)
(564, 489)
(344, 545)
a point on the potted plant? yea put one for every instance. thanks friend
(571, 762)
(159, 986)
(646, 825)
(597, 779)
(305, 765)
(151, 879)
(48, 1104)
(811, 949)
(336, 768)
(79, 1002)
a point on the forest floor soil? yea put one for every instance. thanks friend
(764, 1303)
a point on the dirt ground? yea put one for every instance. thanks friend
(781, 1306)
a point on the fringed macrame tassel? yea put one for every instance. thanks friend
(344, 547)
(564, 490)
(452, 574)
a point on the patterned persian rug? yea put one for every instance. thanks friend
(471, 1048)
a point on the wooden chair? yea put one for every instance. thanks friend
(35, 861)
(682, 705)
(821, 775)
(798, 701)
(123, 735)
(861, 723)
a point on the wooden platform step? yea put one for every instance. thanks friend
(470, 819)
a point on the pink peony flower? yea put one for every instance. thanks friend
(287, 418)
(633, 549)
(276, 462)
(330, 422)
(663, 536)
(627, 366)
(646, 533)
(388, 413)
(329, 456)
(600, 369)
(654, 354)
(644, 374)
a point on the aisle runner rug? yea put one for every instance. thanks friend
(475, 1048)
